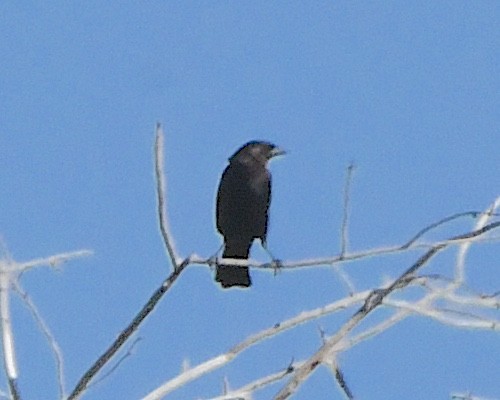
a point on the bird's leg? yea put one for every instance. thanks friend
(276, 262)
(212, 260)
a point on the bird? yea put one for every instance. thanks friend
(242, 207)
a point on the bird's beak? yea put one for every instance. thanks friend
(277, 152)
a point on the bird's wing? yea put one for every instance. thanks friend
(243, 201)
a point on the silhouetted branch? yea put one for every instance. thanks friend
(117, 364)
(339, 377)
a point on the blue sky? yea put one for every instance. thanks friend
(408, 91)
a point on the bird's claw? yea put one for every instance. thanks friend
(276, 265)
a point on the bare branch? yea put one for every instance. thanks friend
(127, 332)
(160, 193)
(347, 343)
(473, 214)
(363, 254)
(466, 320)
(118, 363)
(460, 266)
(246, 391)
(339, 377)
(14, 390)
(10, 271)
(345, 217)
(221, 360)
(54, 347)
(9, 351)
(468, 396)
(52, 261)
(372, 301)
(345, 279)
(178, 267)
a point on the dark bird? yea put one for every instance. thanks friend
(242, 212)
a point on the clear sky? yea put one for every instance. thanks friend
(408, 91)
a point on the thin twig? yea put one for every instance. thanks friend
(345, 216)
(52, 261)
(117, 364)
(468, 396)
(10, 271)
(245, 391)
(158, 294)
(465, 319)
(460, 265)
(14, 390)
(127, 332)
(221, 360)
(339, 377)
(372, 301)
(473, 214)
(54, 347)
(160, 193)
(224, 359)
(347, 343)
(314, 262)
(345, 278)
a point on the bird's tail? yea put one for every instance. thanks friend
(234, 275)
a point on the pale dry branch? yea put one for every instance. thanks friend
(464, 248)
(9, 351)
(188, 376)
(10, 271)
(345, 279)
(168, 239)
(52, 261)
(347, 342)
(246, 391)
(178, 268)
(351, 257)
(481, 300)
(450, 317)
(372, 300)
(54, 347)
(375, 299)
(422, 232)
(127, 332)
(468, 396)
(221, 360)
(345, 211)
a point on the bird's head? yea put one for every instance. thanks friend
(260, 151)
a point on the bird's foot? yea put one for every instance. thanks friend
(277, 264)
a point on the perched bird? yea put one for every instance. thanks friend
(242, 211)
